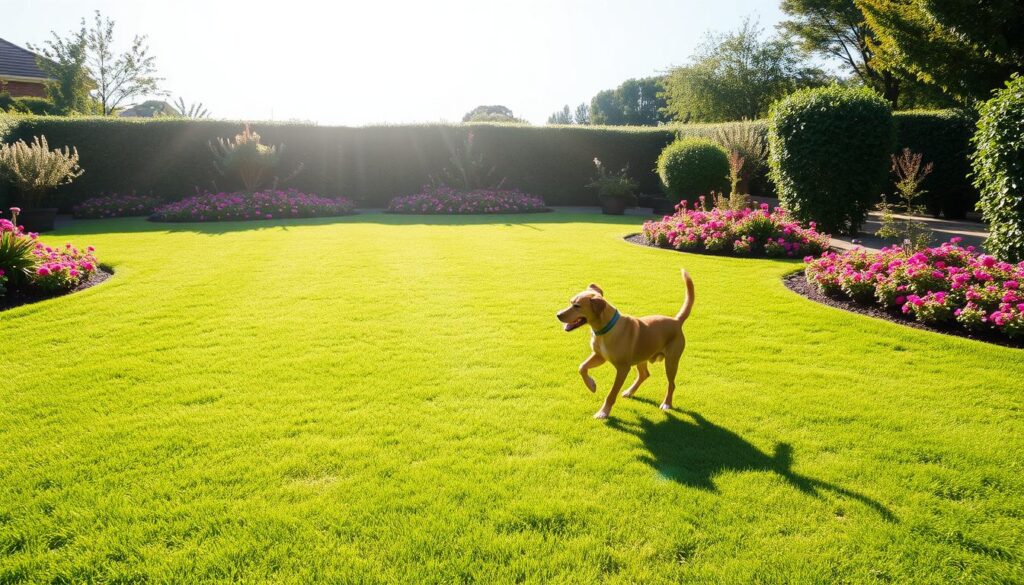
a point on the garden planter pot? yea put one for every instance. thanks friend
(613, 206)
(38, 220)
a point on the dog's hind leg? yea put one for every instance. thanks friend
(641, 375)
(673, 353)
(592, 362)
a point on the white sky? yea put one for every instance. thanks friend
(392, 61)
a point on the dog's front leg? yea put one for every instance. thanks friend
(620, 378)
(591, 362)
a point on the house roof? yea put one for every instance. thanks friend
(18, 62)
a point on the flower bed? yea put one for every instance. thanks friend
(30, 269)
(116, 206)
(945, 287)
(447, 201)
(742, 232)
(269, 204)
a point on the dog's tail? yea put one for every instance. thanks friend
(688, 304)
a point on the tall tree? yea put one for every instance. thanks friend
(736, 76)
(118, 76)
(563, 116)
(63, 61)
(582, 115)
(967, 48)
(636, 102)
(836, 29)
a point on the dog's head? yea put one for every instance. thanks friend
(584, 307)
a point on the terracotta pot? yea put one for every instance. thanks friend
(613, 205)
(38, 220)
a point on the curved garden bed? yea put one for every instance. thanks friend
(268, 204)
(448, 201)
(17, 298)
(759, 232)
(948, 289)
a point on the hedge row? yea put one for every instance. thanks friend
(169, 158)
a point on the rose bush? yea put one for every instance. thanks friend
(269, 204)
(446, 200)
(741, 232)
(116, 206)
(948, 285)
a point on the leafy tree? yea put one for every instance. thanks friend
(582, 115)
(118, 76)
(636, 102)
(63, 61)
(837, 30)
(966, 48)
(491, 114)
(563, 116)
(735, 76)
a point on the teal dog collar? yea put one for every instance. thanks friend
(608, 327)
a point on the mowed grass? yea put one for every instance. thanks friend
(390, 399)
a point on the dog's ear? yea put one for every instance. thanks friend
(597, 305)
(593, 286)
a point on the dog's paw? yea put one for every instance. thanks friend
(666, 406)
(591, 384)
(627, 394)
(601, 415)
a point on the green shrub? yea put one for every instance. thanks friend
(33, 105)
(999, 170)
(943, 137)
(829, 154)
(691, 167)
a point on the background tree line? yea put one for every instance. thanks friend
(913, 53)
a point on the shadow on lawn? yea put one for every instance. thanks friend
(694, 453)
(66, 226)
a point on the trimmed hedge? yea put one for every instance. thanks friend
(944, 138)
(829, 154)
(169, 158)
(999, 170)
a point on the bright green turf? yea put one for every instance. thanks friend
(382, 398)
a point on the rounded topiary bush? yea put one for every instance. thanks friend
(998, 163)
(691, 167)
(828, 154)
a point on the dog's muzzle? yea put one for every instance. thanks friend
(570, 325)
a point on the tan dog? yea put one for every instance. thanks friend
(627, 341)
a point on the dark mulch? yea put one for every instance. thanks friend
(639, 240)
(798, 284)
(17, 298)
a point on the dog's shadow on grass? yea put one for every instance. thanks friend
(694, 453)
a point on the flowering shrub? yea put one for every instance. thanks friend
(269, 204)
(947, 285)
(741, 232)
(445, 200)
(39, 267)
(116, 206)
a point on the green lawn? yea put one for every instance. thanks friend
(389, 399)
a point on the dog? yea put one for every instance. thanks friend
(626, 341)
